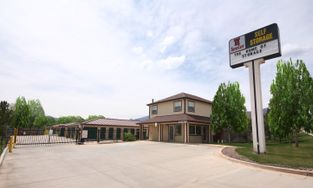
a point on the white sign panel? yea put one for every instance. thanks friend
(261, 43)
(85, 134)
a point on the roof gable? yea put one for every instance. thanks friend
(181, 96)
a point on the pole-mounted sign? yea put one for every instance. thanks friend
(261, 43)
(251, 50)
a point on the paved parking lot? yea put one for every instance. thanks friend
(136, 164)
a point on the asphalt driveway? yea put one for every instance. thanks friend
(136, 164)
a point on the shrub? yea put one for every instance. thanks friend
(129, 137)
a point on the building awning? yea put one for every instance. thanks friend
(177, 118)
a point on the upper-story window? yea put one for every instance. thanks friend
(191, 106)
(177, 106)
(154, 109)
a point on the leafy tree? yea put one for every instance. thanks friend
(22, 113)
(37, 114)
(5, 113)
(228, 109)
(50, 120)
(40, 122)
(69, 119)
(291, 103)
(266, 125)
(93, 117)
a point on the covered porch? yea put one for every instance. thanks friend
(181, 128)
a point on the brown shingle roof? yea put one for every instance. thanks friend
(112, 122)
(66, 125)
(181, 96)
(177, 118)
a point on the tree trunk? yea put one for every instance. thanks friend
(296, 140)
(229, 135)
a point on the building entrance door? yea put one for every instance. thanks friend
(171, 133)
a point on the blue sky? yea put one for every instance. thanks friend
(113, 57)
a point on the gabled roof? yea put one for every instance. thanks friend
(182, 96)
(177, 118)
(112, 122)
(75, 124)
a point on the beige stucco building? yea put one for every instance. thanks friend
(181, 118)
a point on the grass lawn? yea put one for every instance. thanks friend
(282, 154)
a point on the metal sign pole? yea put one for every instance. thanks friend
(259, 145)
(251, 49)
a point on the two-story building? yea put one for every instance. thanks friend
(181, 118)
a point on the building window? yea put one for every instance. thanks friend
(198, 130)
(177, 106)
(178, 130)
(191, 106)
(192, 130)
(195, 130)
(154, 109)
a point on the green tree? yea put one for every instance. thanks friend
(37, 114)
(228, 109)
(69, 119)
(93, 117)
(22, 113)
(291, 103)
(50, 120)
(5, 114)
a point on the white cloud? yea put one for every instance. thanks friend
(150, 34)
(295, 49)
(172, 62)
(112, 57)
(137, 50)
(168, 40)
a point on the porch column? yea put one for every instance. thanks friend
(122, 134)
(140, 132)
(159, 137)
(98, 134)
(161, 127)
(210, 135)
(107, 133)
(114, 133)
(188, 136)
(185, 132)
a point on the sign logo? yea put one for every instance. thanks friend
(237, 44)
(237, 41)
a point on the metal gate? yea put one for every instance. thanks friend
(46, 136)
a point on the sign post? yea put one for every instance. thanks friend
(251, 50)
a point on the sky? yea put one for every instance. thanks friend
(113, 57)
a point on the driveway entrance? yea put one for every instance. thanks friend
(135, 164)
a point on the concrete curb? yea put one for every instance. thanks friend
(4, 152)
(268, 167)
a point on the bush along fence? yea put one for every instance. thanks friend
(5, 134)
